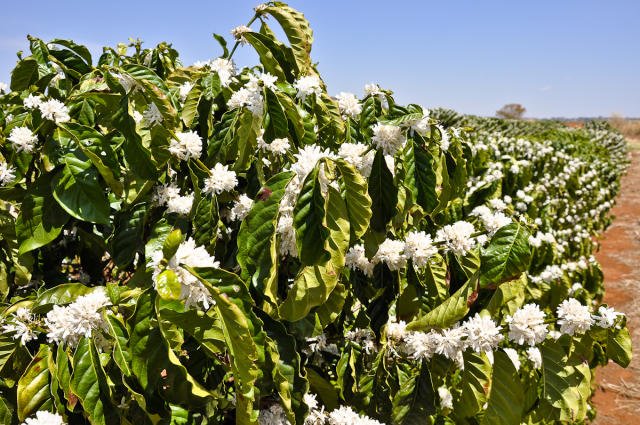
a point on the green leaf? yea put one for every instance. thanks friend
(6, 412)
(171, 244)
(422, 173)
(205, 221)
(61, 294)
(257, 254)
(151, 355)
(562, 380)
(508, 297)
(291, 384)
(77, 190)
(356, 198)
(245, 139)
(89, 383)
(24, 74)
(507, 255)
(475, 382)
(446, 314)
(33, 387)
(415, 400)
(89, 140)
(118, 331)
(241, 346)
(268, 53)
(619, 347)
(128, 233)
(190, 108)
(40, 221)
(168, 285)
(505, 405)
(313, 284)
(308, 221)
(297, 30)
(202, 326)
(383, 193)
(138, 157)
(277, 118)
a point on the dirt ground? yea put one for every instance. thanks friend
(617, 397)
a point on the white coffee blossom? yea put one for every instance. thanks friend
(446, 399)
(535, 356)
(372, 89)
(180, 204)
(307, 85)
(241, 208)
(137, 117)
(396, 331)
(391, 252)
(277, 146)
(451, 344)
(184, 90)
(273, 415)
(527, 326)
(418, 246)
(355, 259)
(163, 193)
(319, 344)
(225, 68)
(23, 139)
(344, 415)
(513, 356)
(421, 345)
(498, 204)
(356, 154)
(306, 160)
(573, 317)
(220, 180)
(54, 110)
(267, 79)
(606, 317)
(239, 32)
(363, 337)
(492, 222)
(349, 104)
(483, 335)
(152, 115)
(7, 173)
(389, 138)
(457, 237)
(32, 102)
(67, 324)
(186, 145)
(21, 324)
(247, 98)
(423, 125)
(192, 291)
(316, 414)
(287, 234)
(44, 417)
(445, 139)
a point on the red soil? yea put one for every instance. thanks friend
(617, 397)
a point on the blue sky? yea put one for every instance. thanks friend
(558, 58)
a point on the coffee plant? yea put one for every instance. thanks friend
(207, 245)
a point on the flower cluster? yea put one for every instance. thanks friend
(192, 291)
(81, 318)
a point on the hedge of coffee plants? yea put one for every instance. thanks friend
(210, 245)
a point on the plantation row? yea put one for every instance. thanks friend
(202, 244)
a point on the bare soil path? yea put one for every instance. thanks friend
(617, 397)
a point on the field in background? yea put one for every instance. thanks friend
(629, 127)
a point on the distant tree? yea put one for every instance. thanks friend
(512, 111)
